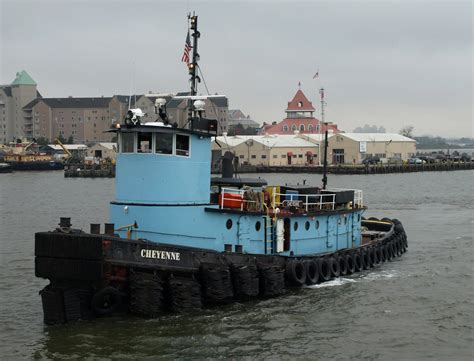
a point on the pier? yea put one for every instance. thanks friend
(358, 169)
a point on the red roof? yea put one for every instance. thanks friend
(300, 102)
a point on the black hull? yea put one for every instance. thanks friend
(93, 275)
(36, 165)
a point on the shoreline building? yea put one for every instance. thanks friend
(299, 117)
(86, 120)
(268, 150)
(15, 123)
(353, 148)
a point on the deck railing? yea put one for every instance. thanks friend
(306, 201)
(238, 199)
(358, 196)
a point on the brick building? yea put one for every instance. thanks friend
(299, 117)
(85, 119)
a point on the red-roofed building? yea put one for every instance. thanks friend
(299, 116)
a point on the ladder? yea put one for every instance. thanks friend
(269, 235)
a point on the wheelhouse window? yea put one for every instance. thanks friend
(128, 140)
(182, 145)
(144, 143)
(163, 143)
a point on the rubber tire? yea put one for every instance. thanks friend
(391, 251)
(324, 270)
(378, 254)
(296, 272)
(384, 253)
(106, 301)
(365, 259)
(350, 264)
(371, 254)
(334, 266)
(358, 263)
(396, 247)
(312, 272)
(388, 248)
(343, 265)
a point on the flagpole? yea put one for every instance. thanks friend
(321, 123)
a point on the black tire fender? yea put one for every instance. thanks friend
(365, 259)
(296, 272)
(384, 253)
(324, 270)
(343, 265)
(358, 263)
(106, 301)
(334, 266)
(378, 254)
(371, 255)
(312, 272)
(350, 264)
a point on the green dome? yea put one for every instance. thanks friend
(23, 78)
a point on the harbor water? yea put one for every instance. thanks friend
(420, 306)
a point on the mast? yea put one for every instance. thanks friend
(325, 164)
(192, 66)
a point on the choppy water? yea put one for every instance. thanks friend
(418, 307)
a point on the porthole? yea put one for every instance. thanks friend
(306, 225)
(257, 226)
(317, 224)
(228, 224)
(295, 226)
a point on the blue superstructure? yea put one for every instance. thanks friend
(165, 191)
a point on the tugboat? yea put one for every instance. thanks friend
(174, 245)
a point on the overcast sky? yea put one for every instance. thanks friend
(386, 63)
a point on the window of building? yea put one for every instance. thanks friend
(253, 156)
(380, 155)
(285, 128)
(293, 127)
(241, 156)
(163, 143)
(283, 155)
(338, 156)
(310, 127)
(127, 142)
(300, 155)
(300, 104)
(182, 145)
(302, 127)
(275, 156)
(264, 156)
(397, 155)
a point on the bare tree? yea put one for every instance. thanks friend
(407, 131)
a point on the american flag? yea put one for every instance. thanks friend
(187, 49)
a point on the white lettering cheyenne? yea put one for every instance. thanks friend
(165, 255)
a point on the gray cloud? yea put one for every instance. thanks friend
(384, 63)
